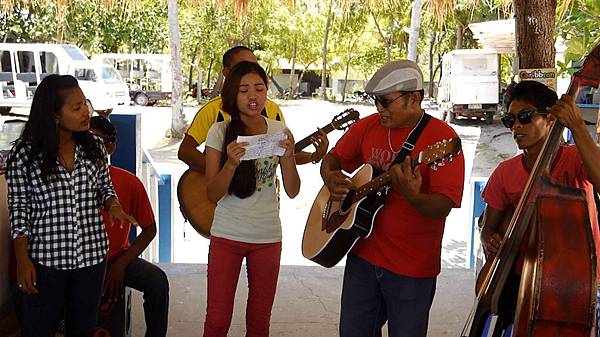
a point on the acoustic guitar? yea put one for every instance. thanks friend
(333, 227)
(191, 188)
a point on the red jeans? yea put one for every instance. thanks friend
(224, 264)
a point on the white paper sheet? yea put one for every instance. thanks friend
(262, 146)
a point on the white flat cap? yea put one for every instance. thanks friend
(400, 75)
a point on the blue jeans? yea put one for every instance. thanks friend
(72, 294)
(149, 279)
(372, 295)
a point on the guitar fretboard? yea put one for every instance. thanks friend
(381, 181)
(302, 144)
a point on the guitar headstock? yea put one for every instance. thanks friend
(345, 119)
(437, 154)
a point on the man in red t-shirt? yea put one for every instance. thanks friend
(125, 268)
(532, 108)
(391, 275)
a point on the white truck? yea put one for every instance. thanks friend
(24, 65)
(149, 76)
(470, 84)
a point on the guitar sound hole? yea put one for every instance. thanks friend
(347, 202)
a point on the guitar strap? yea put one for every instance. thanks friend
(411, 140)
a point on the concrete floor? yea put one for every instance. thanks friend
(306, 305)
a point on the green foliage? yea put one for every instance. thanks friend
(94, 27)
(285, 27)
(348, 35)
(360, 36)
(33, 23)
(580, 31)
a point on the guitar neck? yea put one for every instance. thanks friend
(379, 182)
(302, 144)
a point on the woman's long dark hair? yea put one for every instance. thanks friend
(243, 183)
(41, 130)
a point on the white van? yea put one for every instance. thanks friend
(470, 84)
(24, 65)
(149, 76)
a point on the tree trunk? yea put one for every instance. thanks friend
(212, 60)
(199, 85)
(324, 53)
(346, 78)
(415, 26)
(535, 20)
(431, 73)
(279, 87)
(177, 119)
(388, 42)
(300, 77)
(460, 30)
(218, 84)
(439, 66)
(293, 72)
(191, 72)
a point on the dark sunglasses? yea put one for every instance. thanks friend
(385, 103)
(524, 117)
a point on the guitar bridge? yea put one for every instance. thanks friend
(325, 214)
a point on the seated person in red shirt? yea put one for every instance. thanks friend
(532, 108)
(125, 268)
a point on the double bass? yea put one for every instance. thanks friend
(557, 288)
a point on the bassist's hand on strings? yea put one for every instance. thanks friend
(338, 185)
(491, 243)
(406, 179)
(567, 113)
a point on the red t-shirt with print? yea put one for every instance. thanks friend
(403, 240)
(134, 200)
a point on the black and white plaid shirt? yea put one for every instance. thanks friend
(61, 219)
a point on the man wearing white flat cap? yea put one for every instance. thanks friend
(390, 276)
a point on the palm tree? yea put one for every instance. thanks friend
(178, 121)
(415, 26)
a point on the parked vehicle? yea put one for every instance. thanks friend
(470, 84)
(148, 76)
(24, 65)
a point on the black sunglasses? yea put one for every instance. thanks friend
(385, 103)
(524, 117)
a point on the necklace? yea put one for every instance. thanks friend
(410, 133)
(390, 143)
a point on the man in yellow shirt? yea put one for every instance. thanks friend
(212, 113)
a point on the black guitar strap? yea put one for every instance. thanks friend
(411, 140)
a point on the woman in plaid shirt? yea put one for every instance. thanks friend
(58, 178)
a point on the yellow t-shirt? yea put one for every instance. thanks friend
(212, 113)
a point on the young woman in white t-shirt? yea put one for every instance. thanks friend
(246, 222)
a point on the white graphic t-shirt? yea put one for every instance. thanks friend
(254, 219)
